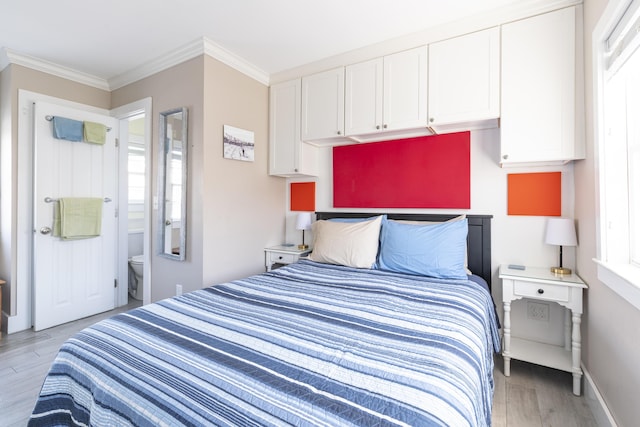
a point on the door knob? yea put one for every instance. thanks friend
(45, 230)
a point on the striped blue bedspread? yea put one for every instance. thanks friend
(306, 344)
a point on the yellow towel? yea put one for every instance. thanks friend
(78, 218)
(95, 133)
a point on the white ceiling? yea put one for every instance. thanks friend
(109, 38)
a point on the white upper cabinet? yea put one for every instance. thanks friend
(387, 94)
(363, 97)
(288, 155)
(405, 89)
(323, 105)
(542, 112)
(464, 82)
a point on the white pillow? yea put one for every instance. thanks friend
(354, 244)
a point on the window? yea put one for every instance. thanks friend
(618, 101)
(136, 183)
(136, 172)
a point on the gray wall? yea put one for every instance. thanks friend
(234, 208)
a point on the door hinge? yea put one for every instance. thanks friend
(117, 142)
(115, 283)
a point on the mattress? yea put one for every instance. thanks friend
(306, 344)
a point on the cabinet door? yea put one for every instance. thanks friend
(464, 79)
(288, 155)
(363, 97)
(405, 89)
(539, 88)
(323, 105)
(284, 127)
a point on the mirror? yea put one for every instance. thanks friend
(172, 184)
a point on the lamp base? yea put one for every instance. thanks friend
(303, 247)
(561, 271)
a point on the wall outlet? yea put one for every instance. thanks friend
(538, 311)
(178, 290)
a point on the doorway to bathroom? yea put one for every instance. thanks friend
(136, 191)
(134, 259)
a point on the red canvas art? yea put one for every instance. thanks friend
(423, 172)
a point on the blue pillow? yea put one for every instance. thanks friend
(436, 250)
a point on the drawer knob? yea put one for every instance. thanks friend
(280, 257)
(541, 291)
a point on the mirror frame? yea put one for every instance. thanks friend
(162, 182)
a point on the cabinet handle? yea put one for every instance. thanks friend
(280, 257)
(384, 126)
(295, 170)
(339, 133)
(541, 291)
(431, 119)
(506, 156)
(377, 126)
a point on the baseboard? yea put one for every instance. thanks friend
(596, 402)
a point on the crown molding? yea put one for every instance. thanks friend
(234, 61)
(11, 57)
(201, 46)
(172, 58)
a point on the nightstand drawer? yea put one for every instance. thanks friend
(279, 258)
(541, 291)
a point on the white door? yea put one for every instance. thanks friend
(72, 278)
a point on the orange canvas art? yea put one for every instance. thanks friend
(534, 194)
(303, 196)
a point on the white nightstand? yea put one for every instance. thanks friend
(540, 284)
(283, 255)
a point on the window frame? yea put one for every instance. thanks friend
(623, 278)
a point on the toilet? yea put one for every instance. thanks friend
(136, 264)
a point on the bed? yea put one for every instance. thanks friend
(311, 343)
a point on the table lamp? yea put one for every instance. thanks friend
(303, 222)
(561, 232)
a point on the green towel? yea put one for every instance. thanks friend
(95, 133)
(77, 218)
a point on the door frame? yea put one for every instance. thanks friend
(21, 316)
(123, 113)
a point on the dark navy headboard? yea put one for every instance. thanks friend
(478, 239)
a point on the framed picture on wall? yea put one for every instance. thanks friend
(238, 144)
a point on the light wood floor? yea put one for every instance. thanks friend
(531, 396)
(537, 396)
